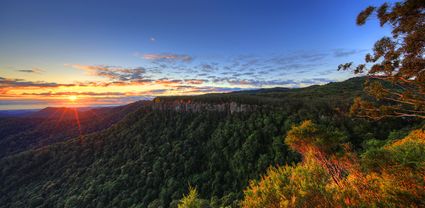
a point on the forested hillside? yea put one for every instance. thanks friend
(152, 156)
(51, 125)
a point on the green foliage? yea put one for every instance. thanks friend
(149, 157)
(287, 186)
(391, 175)
(308, 135)
(406, 153)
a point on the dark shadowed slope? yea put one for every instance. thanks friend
(51, 125)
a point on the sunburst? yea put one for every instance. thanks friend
(73, 98)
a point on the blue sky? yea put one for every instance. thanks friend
(49, 48)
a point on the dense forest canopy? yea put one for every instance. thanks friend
(152, 156)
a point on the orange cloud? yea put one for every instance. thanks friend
(6, 82)
(165, 81)
(78, 93)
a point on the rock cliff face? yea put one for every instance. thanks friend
(189, 106)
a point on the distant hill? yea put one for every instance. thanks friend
(16, 113)
(51, 125)
(336, 94)
(263, 90)
(60, 112)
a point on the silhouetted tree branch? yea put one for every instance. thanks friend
(398, 60)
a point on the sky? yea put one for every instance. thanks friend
(96, 53)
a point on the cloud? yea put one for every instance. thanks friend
(298, 59)
(217, 89)
(33, 70)
(243, 65)
(93, 98)
(166, 57)
(3, 91)
(315, 81)
(113, 83)
(242, 82)
(290, 82)
(271, 63)
(346, 52)
(327, 72)
(152, 39)
(5, 82)
(243, 74)
(24, 102)
(252, 82)
(100, 94)
(113, 73)
(166, 81)
(262, 83)
(195, 81)
(208, 67)
(77, 93)
(154, 92)
(208, 89)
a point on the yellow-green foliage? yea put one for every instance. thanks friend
(389, 176)
(300, 186)
(314, 137)
(399, 170)
(190, 200)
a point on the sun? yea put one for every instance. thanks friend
(72, 98)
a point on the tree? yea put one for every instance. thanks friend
(303, 185)
(191, 200)
(392, 175)
(320, 145)
(397, 60)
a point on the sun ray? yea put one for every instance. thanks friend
(47, 119)
(77, 119)
(60, 118)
